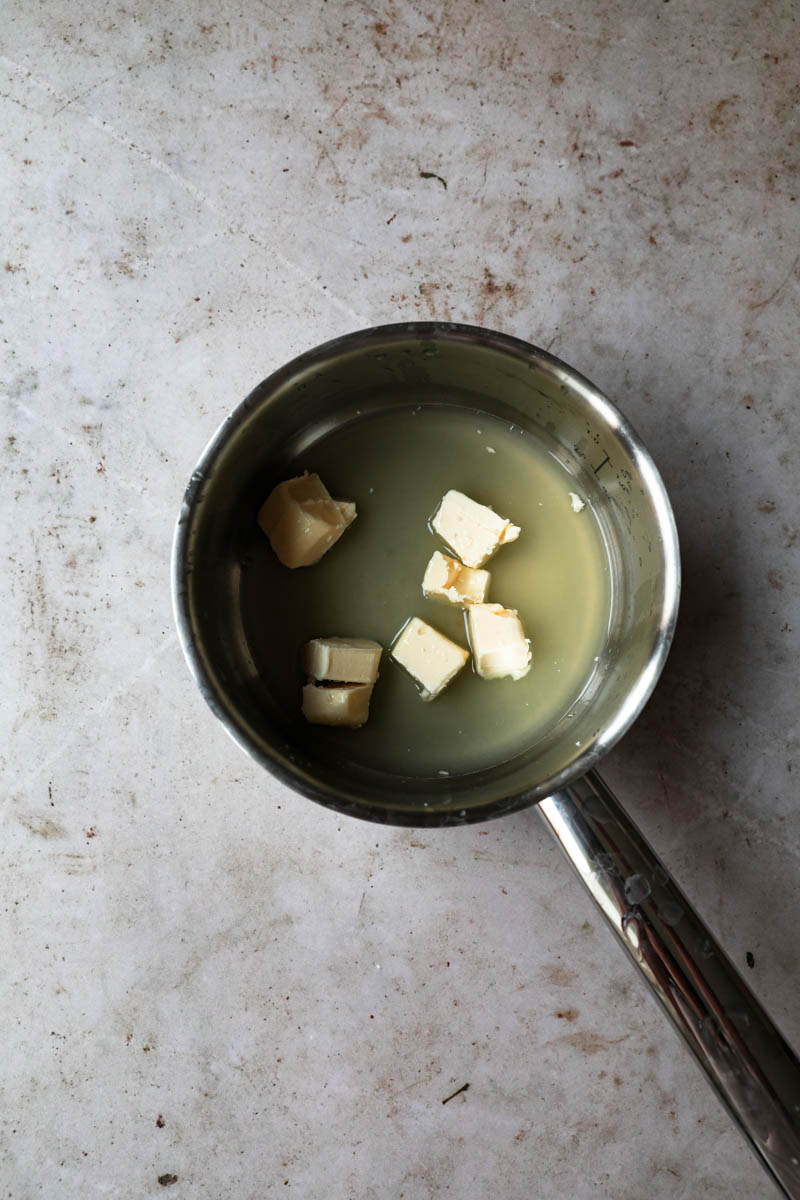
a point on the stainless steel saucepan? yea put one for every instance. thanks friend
(754, 1071)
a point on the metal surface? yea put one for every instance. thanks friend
(752, 1068)
(445, 364)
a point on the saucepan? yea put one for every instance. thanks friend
(753, 1069)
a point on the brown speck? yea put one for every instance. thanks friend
(627, 142)
(391, 218)
(767, 506)
(716, 118)
(558, 975)
(587, 1042)
(12, 270)
(652, 240)
(128, 1039)
(556, 78)
(381, 28)
(567, 1014)
(92, 520)
(145, 1049)
(406, 238)
(749, 959)
(101, 468)
(160, 1122)
(167, 1180)
(43, 827)
(464, 1088)
(206, 28)
(617, 1081)
(91, 832)
(775, 580)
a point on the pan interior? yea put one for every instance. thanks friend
(226, 594)
(396, 461)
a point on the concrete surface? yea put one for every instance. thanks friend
(205, 976)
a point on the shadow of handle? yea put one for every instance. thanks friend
(752, 1067)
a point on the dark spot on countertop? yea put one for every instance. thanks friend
(588, 1042)
(749, 959)
(433, 175)
(717, 116)
(167, 1180)
(627, 142)
(160, 1122)
(556, 78)
(767, 506)
(775, 580)
(567, 1014)
(558, 975)
(43, 827)
(464, 1088)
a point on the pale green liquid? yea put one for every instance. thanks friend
(397, 465)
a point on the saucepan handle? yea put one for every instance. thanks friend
(752, 1067)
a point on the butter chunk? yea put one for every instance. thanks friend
(339, 659)
(448, 579)
(345, 704)
(470, 529)
(302, 521)
(499, 645)
(428, 656)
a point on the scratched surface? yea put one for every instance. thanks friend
(209, 984)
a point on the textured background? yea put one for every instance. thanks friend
(203, 975)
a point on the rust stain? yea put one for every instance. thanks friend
(717, 116)
(589, 1042)
(558, 975)
(43, 827)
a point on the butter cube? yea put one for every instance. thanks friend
(339, 659)
(428, 656)
(499, 645)
(302, 521)
(448, 579)
(470, 529)
(345, 704)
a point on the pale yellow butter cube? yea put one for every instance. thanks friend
(448, 579)
(499, 645)
(472, 530)
(345, 660)
(302, 521)
(428, 656)
(345, 704)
